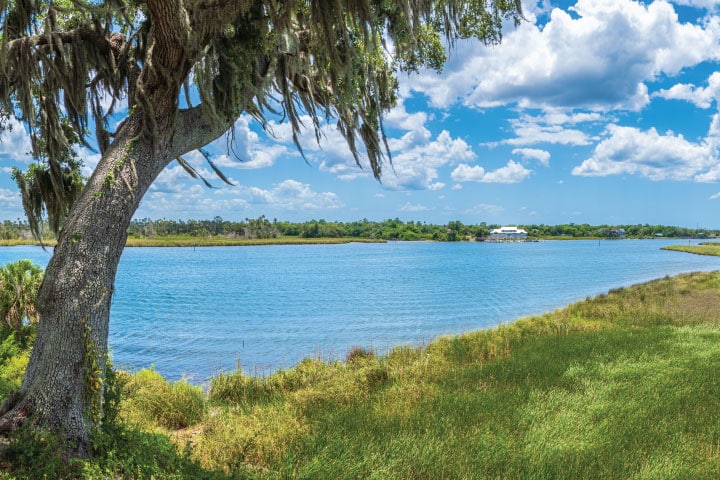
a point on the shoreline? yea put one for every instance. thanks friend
(184, 242)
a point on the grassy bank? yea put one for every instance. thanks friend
(707, 248)
(620, 386)
(16, 242)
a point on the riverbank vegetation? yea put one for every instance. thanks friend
(622, 385)
(262, 231)
(705, 248)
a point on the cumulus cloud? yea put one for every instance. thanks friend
(417, 157)
(701, 97)
(174, 178)
(15, 142)
(513, 172)
(541, 156)
(246, 149)
(293, 195)
(706, 4)
(8, 197)
(573, 60)
(629, 150)
(399, 117)
(548, 129)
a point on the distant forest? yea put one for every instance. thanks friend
(391, 229)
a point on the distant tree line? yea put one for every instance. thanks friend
(391, 229)
(395, 229)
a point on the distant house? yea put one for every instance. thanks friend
(616, 233)
(507, 232)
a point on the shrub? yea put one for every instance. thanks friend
(35, 453)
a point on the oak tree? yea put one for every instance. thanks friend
(180, 73)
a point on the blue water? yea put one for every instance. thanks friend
(193, 312)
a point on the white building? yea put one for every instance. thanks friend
(508, 232)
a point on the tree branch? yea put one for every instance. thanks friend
(112, 43)
(194, 130)
(170, 33)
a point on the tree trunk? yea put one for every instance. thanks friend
(62, 388)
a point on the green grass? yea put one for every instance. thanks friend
(706, 248)
(15, 242)
(619, 386)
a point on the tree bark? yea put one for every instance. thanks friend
(62, 388)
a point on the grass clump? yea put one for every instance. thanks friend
(151, 401)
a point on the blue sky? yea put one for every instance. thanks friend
(595, 111)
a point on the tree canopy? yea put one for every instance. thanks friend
(69, 67)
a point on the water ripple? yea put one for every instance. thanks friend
(193, 312)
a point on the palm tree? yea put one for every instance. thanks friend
(19, 284)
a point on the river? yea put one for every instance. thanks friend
(192, 312)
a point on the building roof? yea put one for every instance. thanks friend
(508, 230)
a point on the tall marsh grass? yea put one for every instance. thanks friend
(622, 385)
(150, 401)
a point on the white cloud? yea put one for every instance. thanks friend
(714, 197)
(533, 130)
(541, 156)
(629, 150)
(559, 117)
(707, 4)
(574, 59)
(466, 173)
(174, 179)
(699, 96)
(293, 195)
(398, 117)
(417, 155)
(417, 158)
(249, 150)
(15, 142)
(8, 197)
(331, 153)
(286, 196)
(410, 207)
(513, 172)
